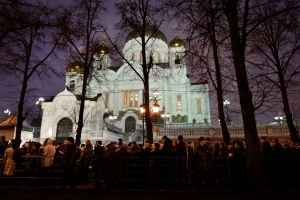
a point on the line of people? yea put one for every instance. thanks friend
(203, 158)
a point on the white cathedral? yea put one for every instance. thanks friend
(114, 94)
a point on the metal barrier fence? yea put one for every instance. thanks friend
(155, 171)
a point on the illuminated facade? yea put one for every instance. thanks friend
(118, 91)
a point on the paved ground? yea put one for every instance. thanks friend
(82, 192)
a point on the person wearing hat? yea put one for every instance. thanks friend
(71, 155)
(120, 141)
(96, 163)
(168, 148)
(201, 164)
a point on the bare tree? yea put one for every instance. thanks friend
(277, 40)
(145, 18)
(82, 37)
(242, 21)
(26, 51)
(206, 36)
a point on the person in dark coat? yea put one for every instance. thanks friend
(168, 148)
(181, 154)
(71, 155)
(266, 147)
(181, 147)
(201, 164)
(97, 162)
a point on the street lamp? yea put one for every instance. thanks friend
(279, 120)
(165, 117)
(155, 109)
(39, 103)
(226, 103)
(143, 111)
(112, 118)
(7, 112)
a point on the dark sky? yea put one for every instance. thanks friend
(9, 99)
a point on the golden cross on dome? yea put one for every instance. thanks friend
(176, 28)
(80, 49)
(104, 36)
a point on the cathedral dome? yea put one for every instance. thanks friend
(150, 30)
(103, 49)
(76, 66)
(176, 42)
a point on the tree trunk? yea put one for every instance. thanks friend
(20, 117)
(238, 52)
(219, 89)
(82, 104)
(286, 109)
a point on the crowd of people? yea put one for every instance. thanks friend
(197, 160)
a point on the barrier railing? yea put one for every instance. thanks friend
(155, 171)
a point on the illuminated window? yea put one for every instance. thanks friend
(125, 99)
(136, 98)
(130, 99)
(199, 106)
(141, 57)
(106, 100)
(178, 102)
(72, 86)
(158, 57)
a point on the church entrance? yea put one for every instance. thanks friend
(64, 128)
(130, 124)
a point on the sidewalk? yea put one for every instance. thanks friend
(82, 192)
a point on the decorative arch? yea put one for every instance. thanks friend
(64, 129)
(130, 124)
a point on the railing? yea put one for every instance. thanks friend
(181, 125)
(186, 133)
(136, 136)
(216, 132)
(96, 134)
(158, 171)
(113, 128)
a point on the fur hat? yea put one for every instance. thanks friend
(70, 139)
(201, 139)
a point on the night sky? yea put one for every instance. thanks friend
(9, 98)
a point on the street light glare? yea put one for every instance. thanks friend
(226, 102)
(41, 99)
(7, 112)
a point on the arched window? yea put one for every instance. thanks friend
(158, 58)
(141, 57)
(179, 102)
(199, 106)
(72, 86)
(64, 129)
(136, 98)
(131, 99)
(106, 100)
(132, 57)
(125, 100)
(177, 59)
